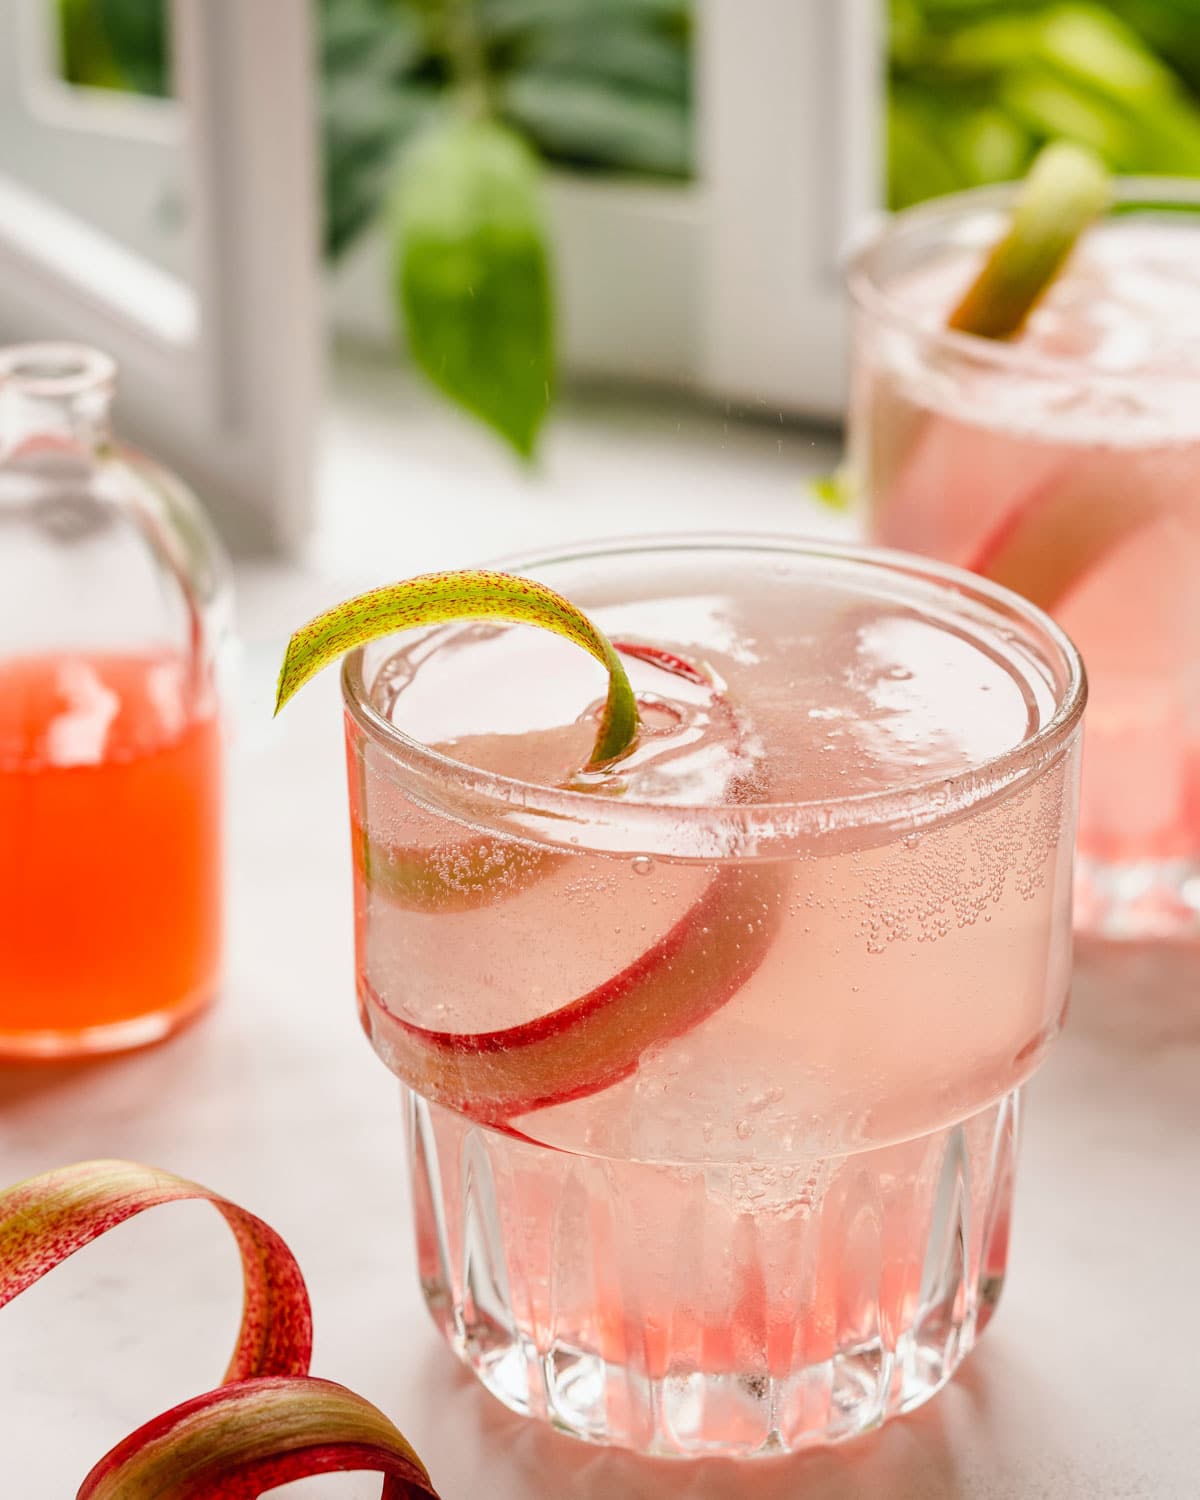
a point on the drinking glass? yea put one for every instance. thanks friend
(712, 1109)
(1066, 465)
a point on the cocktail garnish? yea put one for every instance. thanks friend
(834, 490)
(596, 1039)
(1066, 190)
(472, 594)
(240, 1441)
(482, 868)
(270, 1422)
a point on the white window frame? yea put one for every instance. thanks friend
(219, 371)
(730, 285)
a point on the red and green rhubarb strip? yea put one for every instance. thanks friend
(269, 1422)
(1050, 539)
(582, 1044)
(473, 594)
(241, 1441)
(1066, 191)
(475, 872)
(48, 1218)
(595, 1040)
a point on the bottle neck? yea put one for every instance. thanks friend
(55, 396)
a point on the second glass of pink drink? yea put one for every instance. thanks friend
(1064, 464)
(713, 1056)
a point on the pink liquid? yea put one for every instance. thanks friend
(782, 1214)
(1078, 484)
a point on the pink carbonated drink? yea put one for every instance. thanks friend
(713, 1055)
(1066, 465)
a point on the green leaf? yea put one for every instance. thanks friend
(919, 164)
(1059, 109)
(991, 43)
(371, 104)
(1121, 77)
(114, 44)
(504, 18)
(834, 490)
(472, 275)
(1089, 42)
(366, 122)
(374, 34)
(1172, 28)
(990, 146)
(588, 122)
(906, 32)
(637, 59)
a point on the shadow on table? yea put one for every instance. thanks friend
(1143, 994)
(21, 1081)
(912, 1458)
(123, 1073)
(1121, 1082)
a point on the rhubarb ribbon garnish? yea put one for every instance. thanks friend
(473, 594)
(48, 1218)
(1066, 190)
(269, 1422)
(242, 1440)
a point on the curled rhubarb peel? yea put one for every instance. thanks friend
(1048, 542)
(243, 1440)
(475, 594)
(1053, 533)
(45, 1220)
(593, 1041)
(667, 661)
(269, 1422)
(1066, 190)
(1045, 546)
(597, 1039)
(481, 869)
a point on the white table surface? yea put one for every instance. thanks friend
(1085, 1387)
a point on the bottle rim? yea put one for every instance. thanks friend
(56, 371)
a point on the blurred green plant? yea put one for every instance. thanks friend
(471, 272)
(979, 86)
(437, 116)
(115, 44)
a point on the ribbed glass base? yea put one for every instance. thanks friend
(731, 1308)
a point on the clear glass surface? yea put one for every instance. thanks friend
(1065, 464)
(713, 1093)
(114, 600)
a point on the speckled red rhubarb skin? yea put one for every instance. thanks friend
(246, 1439)
(47, 1219)
(469, 594)
(270, 1422)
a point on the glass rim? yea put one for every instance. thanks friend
(773, 825)
(869, 294)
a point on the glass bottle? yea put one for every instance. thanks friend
(114, 600)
